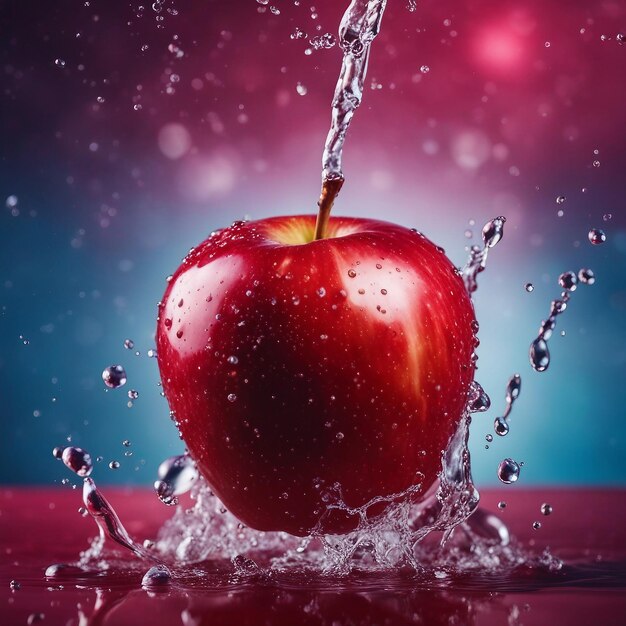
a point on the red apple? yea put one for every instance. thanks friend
(292, 364)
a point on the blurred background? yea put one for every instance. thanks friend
(130, 130)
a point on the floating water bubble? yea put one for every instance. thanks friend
(232, 360)
(586, 276)
(157, 576)
(114, 465)
(231, 397)
(546, 509)
(560, 199)
(176, 476)
(536, 525)
(501, 426)
(57, 452)
(114, 376)
(424, 69)
(151, 353)
(301, 89)
(15, 585)
(508, 471)
(129, 344)
(502, 505)
(539, 355)
(133, 394)
(493, 231)
(78, 460)
(489, 438)
(607, 217)
(529, 287)
(596, 236)
(568, 281)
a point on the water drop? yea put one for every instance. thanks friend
(546, 509)
(596, 236)
(59, 62)
(493, 231)
(501, 426)
(14, 585)
(586, 276)
(151, 353)
(424, 69)
(133, 394)
(478, 400)
(508, 471)
(539, 355)
(156, 576)
(568, 281)
(129, 344)
(529, 287)
(301, 89)
(351, 273)
(175, 476)
(231, 397)
(78, 460)
(57, 452)
(560, 199)
(114, 465)
(489, 438)
(502, 505)
(536, 525)
(114, 376)
(607, 217)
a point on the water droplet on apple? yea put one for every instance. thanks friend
(478, 400)
(114, 376)
(78, 460)
(508, 471)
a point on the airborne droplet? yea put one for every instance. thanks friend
(114, 376)
(508, 471)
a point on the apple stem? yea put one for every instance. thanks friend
(330, 190)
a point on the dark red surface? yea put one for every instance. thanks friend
(40, 527)
(314, 397)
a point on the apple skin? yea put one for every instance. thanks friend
(291, 366)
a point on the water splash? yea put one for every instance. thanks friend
(108, 522)
(513, 389)
(492, 233)
(175, 477)
(539, 353)
(358, 28)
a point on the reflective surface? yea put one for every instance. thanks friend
(40, 527)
